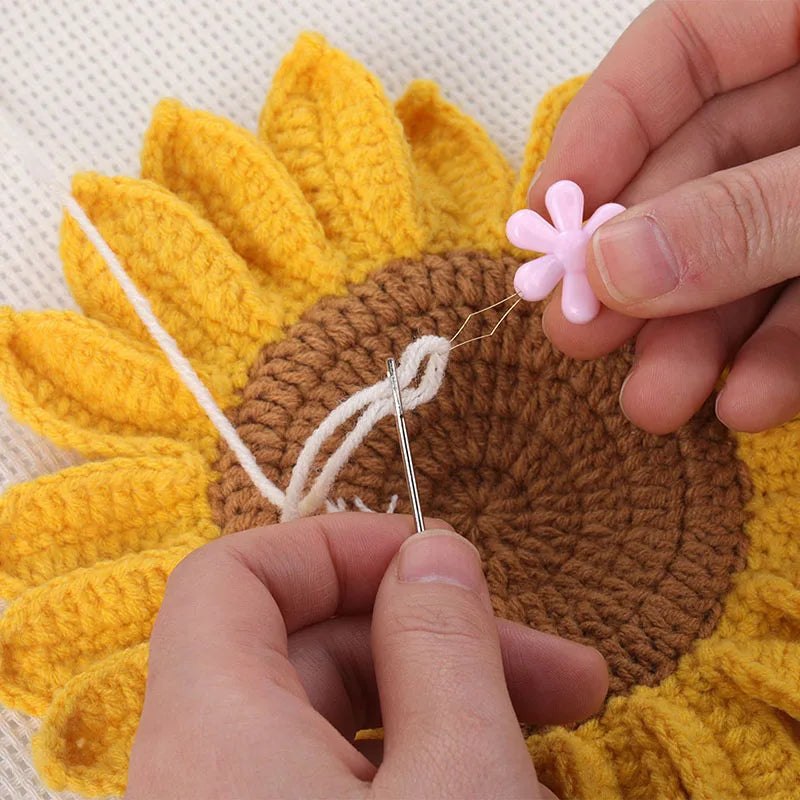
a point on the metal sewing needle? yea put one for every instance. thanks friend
(405, 446)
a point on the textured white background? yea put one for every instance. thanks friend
(82, 77)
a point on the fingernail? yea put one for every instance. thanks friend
(716, 408)
(622, 395)
(533, 181)
(622, 391)
(440, 557)
(544, 324)
(634, 260)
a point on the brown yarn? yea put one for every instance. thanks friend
(588, 527)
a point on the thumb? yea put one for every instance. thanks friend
(703, 244)
(449, 725)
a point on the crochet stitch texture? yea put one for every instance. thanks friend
(288, 265)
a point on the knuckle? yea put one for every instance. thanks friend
(183, 583)
(737, 199)
(618, 97)
(190, 567)
(458, 623)
(691, 38)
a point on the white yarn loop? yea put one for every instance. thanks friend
(375, 402)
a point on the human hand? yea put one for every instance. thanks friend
(274, 646)
(692, 121)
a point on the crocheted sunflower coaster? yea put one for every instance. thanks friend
(288, 265)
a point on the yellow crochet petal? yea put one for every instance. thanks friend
(99, 511)
(773, 460)
(771, 474)
(238, 184)
(467, 178)
(761, 749)
(330, 123)
(697, 765)
(93, 389)
(86, 737)
(90, 613)
(648, 736)
(547, 115)
(635, 754)
(201, 291)
(766, 670)
(698, 735)
(775, 546)
(763, 606)
(574, 766)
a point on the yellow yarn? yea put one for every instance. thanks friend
(711, 730)
(329, 122)
(232, 236)
(96, 389)
(544, 125)
(459, 165)
(211, 301)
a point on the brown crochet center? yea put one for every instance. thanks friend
(588, 527)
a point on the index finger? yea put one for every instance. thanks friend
(674, 58)
(259, 586)
(219, 657)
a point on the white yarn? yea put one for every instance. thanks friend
(40, 170)
(341, 505)
(376, 402)
(181, 365)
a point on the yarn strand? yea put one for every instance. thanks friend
(181, 365)
(45, 174)
(374, 402)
